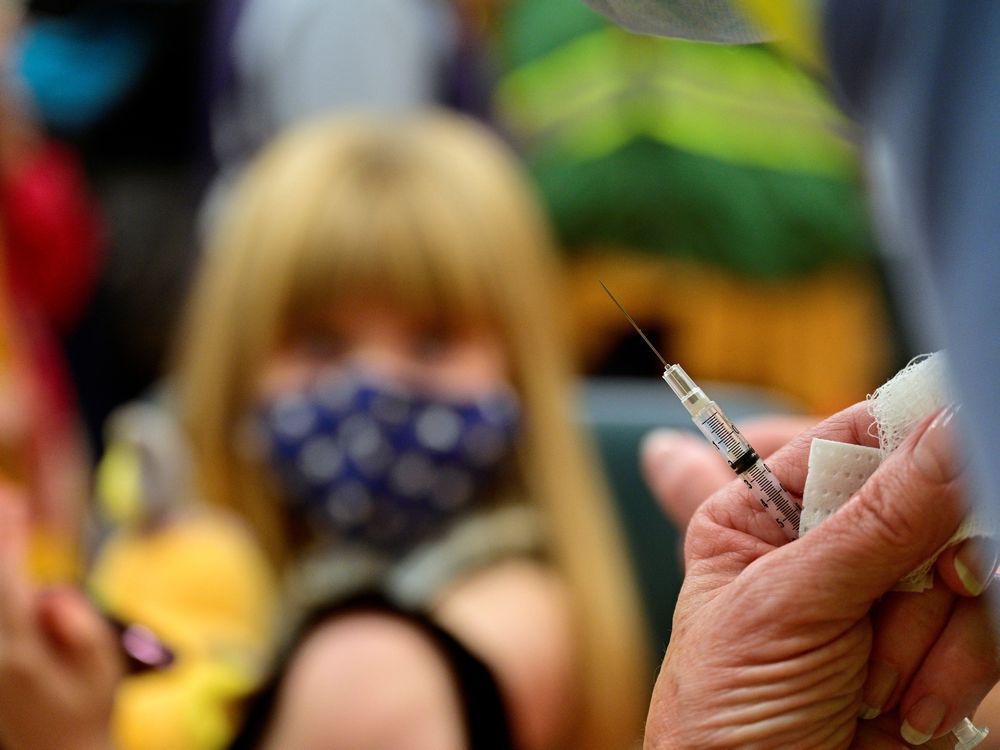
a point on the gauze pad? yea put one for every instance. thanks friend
(837, 470)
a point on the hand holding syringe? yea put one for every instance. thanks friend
(763, 484)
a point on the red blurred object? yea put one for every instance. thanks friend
(50, 240)
(53, 235)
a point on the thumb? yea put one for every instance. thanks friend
(903, 514)
(682, 470)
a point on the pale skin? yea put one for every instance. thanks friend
(393, 689)
(369, 680)
(777, 645)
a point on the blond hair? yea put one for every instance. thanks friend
(435, 213)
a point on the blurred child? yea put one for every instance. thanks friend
(371, 375)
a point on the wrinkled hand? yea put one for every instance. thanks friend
(58, 660)
(772, 641)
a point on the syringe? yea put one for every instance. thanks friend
(719, 429)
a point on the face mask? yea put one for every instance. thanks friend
(381, 465)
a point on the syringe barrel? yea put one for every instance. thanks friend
(729, 441)
(709, 418)
(717, 427)
(760, 480)
(749, 467)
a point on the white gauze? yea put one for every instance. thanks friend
(917, 390)
(837, 470)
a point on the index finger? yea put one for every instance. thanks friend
(736, 508)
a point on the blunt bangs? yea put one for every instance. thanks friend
(396, 232)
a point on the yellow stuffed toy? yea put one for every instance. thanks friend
(200, 584)
(193, 576)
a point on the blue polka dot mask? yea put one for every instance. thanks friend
(361, 459)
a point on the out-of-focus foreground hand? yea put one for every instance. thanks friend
(771, 641)
(58, 662)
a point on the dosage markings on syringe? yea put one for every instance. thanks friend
(725, 433)
(770, 488)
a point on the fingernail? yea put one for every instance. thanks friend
(975, 564)
(663, 452)
(934, 453)
(923, 720)
(660, 443)
(656, 443)
(879, 684)
(968, 578)
(868, 713)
